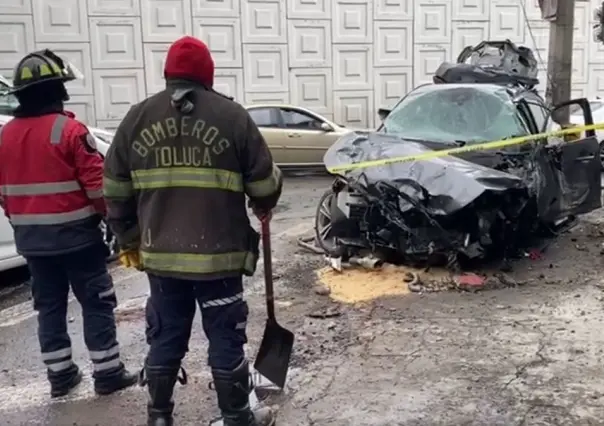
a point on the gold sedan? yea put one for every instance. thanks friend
(296, 136)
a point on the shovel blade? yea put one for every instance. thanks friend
(275, 352)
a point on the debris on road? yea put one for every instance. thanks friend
(324, 312)
(322, 290)
(356, 285)
(131, 310)
(127, 315)
(367, 262)
(534, 254)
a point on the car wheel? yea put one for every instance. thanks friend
(110, 241)
(323, 235)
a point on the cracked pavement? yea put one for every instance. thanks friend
(524, 356)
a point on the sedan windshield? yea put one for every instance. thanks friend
(455, 114)
(8, 103)
(103, 136)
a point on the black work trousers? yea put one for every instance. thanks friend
(170, 312)
(85, 271)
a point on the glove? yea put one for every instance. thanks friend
(130, 259)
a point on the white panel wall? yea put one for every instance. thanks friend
(342, 58)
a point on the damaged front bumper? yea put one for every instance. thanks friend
(381, 222)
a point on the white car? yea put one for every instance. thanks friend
(9, 258)
(597, 110)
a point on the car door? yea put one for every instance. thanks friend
(268, 120)
(575, 187)
(308, 137)
(7, 238)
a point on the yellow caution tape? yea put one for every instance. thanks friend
(460, 150)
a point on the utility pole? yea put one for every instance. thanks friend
(559, 64)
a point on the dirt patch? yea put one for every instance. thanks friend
(129, 315)
(295, 273)
(361, 285)
(357, 285)
(132, 310)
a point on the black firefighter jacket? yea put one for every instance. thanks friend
(176, 179)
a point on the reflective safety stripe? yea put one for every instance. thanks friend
(52, 218)
(222, 302)
(107, 365)
(96, 193)
(241, 325)
(199, 263)
(57, 129)
(61, 353)
(101, 355)
(116, 188)
(47, 188)
(187, 177)
(105, 359)
(59, 366)
(265, 187)
(106, 293)
(58, 360)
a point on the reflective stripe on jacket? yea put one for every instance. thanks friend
(180, 198)
(50, 183)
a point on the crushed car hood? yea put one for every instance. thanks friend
(449, 183)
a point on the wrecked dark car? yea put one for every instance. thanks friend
(462, 207)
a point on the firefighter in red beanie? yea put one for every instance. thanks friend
(51, 191)
(176, 180)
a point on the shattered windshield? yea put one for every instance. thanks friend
(456, 113)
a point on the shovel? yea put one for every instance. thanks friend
(275, 350)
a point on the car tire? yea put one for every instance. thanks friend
(111, 242)
(321, 217)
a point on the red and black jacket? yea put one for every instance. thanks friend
(51, 178)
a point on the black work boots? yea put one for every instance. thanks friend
(61, 384)
(161, 381)
(114, 381)
(233, 389)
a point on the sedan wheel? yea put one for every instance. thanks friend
(323, 222)
(110, 241)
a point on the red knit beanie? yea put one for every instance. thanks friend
(190, 58)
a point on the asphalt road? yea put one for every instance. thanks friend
(527, 355)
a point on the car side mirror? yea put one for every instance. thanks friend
(326, 127)
(383, 113)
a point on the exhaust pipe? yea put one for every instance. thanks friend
(335, 263)
(367, 262)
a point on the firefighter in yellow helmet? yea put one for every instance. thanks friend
(51, 179)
